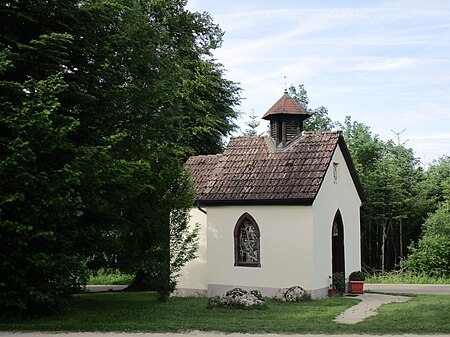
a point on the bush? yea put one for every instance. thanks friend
(109, 276)
(338, 281)
(357, 276)
(431, 255)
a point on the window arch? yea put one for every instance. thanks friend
(246, 242)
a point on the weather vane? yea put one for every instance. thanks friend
(285, 85)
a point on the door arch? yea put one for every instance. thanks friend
(337, 244)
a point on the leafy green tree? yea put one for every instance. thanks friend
(208, 101)
(431, 255)
(194, 111)
(365, 148)
(391, 177)
(252, 125)
(101, 104)
(319, 119)
(435, 188)
(41, 241)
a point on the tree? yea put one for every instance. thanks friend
(252, 125)
(391, 176)
(192, 118)
(435, 188)
(42, 255)
(206, 104)
(319, 119)
(112, 97)
(431, 255)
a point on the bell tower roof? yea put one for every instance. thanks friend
(286, 105)
(286, 118)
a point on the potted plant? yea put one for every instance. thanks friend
(332, 291)
(337, 284)
(357, 279)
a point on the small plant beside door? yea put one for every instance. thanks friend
(356, 280)
(337, 284)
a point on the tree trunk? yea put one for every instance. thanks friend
(401, 239)
(141, 282)
(383, 245)
(164, 282)
(394, 256)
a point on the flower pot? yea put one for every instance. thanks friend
(332, 292)
(357, 287)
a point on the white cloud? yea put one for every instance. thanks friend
(383, 64)
(430, 147)
(432, 138)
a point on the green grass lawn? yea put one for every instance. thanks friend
(124, 311)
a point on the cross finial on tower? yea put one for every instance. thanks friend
(285, 85)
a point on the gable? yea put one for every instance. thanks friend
(352, 170)
(251, 171)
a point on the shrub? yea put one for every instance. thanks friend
(431, 255)
(109, 276)
(357, 276)
(338, 281)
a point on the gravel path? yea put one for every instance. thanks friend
(367, 307)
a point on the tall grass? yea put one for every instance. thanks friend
(108, 277)
(400, 277)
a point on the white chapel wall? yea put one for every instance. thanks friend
(332, 196)
(193, 279)
(286, 246)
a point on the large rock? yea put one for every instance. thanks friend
(238, 298)
(292, 294)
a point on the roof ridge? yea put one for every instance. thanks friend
(243, 136)
(321, 131)
(207, 155)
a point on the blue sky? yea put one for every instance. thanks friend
(384, 63)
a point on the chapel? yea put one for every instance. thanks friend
(275, 211)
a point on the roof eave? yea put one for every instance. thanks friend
(224, 202)
(352, 169)
(273, 115)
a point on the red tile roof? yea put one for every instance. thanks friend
(286, 105)
(252, 171)
(201, 168)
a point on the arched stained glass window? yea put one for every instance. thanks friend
(246, 242)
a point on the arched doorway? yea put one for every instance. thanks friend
(337, 242)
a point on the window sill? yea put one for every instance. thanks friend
(247, 264)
